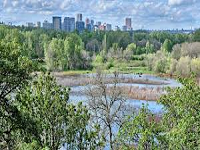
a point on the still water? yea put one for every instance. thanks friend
(77, 96)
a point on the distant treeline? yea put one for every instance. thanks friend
(63, 51)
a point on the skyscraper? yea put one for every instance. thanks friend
(87, 21)
(108, 27)
(92, 25)
(80, 26)
(69, 24)
(57, 25)
(92, 22)
(79, 17)
(47, 25)
(88, 24)
(38, 24)
(30, 24)
(124, 28)
(128, 23)
(98, 23)
(117, 28)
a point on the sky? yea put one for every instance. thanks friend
(145, 14)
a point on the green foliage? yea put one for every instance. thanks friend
(159, 62)
(149, 48)
(121, 38)
(178, 128)
(54, 55)
(73, 46)
(181, 119)
(45, 103)
(30, 146)
(196, 36)
(64, 54)
(183, 66)
(98, 61)
(57, 121)
(64, 51)
(15, 72)
(167, 45)
(195, 66)
(132, 47)
(139, 129)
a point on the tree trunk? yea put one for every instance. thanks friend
(110, 134)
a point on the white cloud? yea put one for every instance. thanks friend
(143, 12)
(180, 2)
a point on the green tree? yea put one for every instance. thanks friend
(181, 119)
(149, 48)
(55, 55)
(140, 131)
(132, 47)
(167, 45)
(196, 36)
(58, 121)
(15, 72)
(73, 46)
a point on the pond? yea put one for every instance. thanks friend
(76, 93)
(154, 82)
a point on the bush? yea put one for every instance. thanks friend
(158, 62)
(183, 66)
(172, 67)
(98, 61)
(176, 52)
(195, 66)
(109, 64)
(160, 66)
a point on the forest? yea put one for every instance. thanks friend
(35, 111)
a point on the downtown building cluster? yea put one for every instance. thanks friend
(70, 24)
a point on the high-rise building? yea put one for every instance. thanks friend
(38, 24)
(128, 23)
(92, 22)
(108, 27)
(98, 23)
(57, 23)
(117, 28)
(92, 25)
(88, 27)
(69, 24)
(88, 24)
(87, 21)
(96, 27)
(30, 24)
(124, 28)
(47, 25)
(79, 17)
(102, 27)
(80, 26)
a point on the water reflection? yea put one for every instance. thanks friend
(78, 96)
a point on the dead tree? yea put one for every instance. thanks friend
(107, 104)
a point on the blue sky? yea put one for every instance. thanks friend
(148, 14)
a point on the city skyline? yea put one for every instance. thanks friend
(145, 14)
(69, 24)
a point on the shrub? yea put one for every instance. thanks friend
(195, 66)
(158, 62)
(183, 66)
(98, 61)
(172, 68)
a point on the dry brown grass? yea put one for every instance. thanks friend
(148, 94)
(80, 80)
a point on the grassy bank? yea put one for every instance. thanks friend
(123, 67)
(72, 72)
